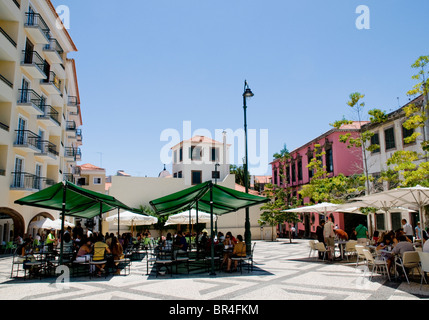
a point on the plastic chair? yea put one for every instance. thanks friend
(410, 260)
(350, 249)
(360, 254)
(313, 249)
(320, 246)
(376, 263)
(424, 265)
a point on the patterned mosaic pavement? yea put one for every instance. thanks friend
(283, 271)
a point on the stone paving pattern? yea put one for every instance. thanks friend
(283, 271)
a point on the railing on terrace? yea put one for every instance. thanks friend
(32, 57)
(51, 113)
(36, 20)
(26, 137)
(76, 153)
(8, 37)
(71, 126)
(24, 180)
(2, 78)
(54, 45)
(30, 96)
(4, 127)
(17, 4)
(79, 134)
(72, 101)
(47, 147)
(53, 79)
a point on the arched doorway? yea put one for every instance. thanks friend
(9, 233)
(41, 215)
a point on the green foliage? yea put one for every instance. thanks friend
(239, 175)
(283, 153)
(377, 116)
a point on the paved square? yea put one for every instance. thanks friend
(283, 271)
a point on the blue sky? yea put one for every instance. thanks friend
(147, 66)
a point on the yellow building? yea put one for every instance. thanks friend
(39, 110)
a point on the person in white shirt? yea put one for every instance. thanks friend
(408, 229)
(328, 233)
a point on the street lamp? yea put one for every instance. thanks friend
(217, 176)
(247, 234)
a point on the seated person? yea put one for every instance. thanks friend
(85, 250)
(228, 247)
(100, 249)
(117, 252)
(402, 246)
(239, 251)
(181, 245)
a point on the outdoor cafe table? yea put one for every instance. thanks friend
(341, 245)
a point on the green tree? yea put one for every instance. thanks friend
(238, 171)
(364, 137)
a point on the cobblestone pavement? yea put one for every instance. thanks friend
(283, 271)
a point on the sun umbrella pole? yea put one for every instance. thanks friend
(63, 215)
(119, 222)
(211, 226)
(190, 224)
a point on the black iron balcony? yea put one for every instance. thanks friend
(4, 127)
(33, 58)
(2, 78)
(50, 114)
(36, 20)
(54, 45)
(25, 138)
(74, 153)
(47, 147)
(79, 135)
(8, 37)
(54, 81)
(29, 96)
(71, 126)
(28, 181)
(72, 101)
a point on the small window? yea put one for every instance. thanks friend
(406, 133)
(195, 153)
(329, 161)
(293, 172)
(214, 154)
(97, 180)
(196, 177)
(299, 170)
(389, 137)
(375, 140)
(181, 154)
(180, 175)
(215, 174)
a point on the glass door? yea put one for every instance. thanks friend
(37, 178)
(19, 175)
(20, 134)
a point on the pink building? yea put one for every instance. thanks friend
(337, 159)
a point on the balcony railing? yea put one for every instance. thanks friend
(36, 20)
(79, 134)
(47, 147)
(50, 113)
(72, 101)
(4, 127)
(27, 138)
(32, 57)
(2, 78)
(24, 180)
(74, 153)
(7, 37)
(30, 96)
(55, 46)
(71, 126)
(53, 79)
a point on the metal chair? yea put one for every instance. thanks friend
(410, 260)
(376, 263)
(360, 254)
(424, 266)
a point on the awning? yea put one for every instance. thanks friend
(79, 202)
(225, 200)
(207, 197)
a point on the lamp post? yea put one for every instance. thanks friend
(247, 233)
(216, 172)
